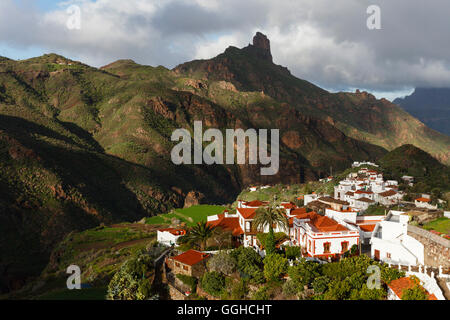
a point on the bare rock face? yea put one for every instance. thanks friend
(193, 198)
(261, 42)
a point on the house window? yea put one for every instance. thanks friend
(177, 264)
(326, 247)
(344, 245)
(185, 268)
(388, 255)
(309, 245)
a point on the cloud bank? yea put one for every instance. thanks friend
(324, 41)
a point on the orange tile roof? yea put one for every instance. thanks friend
(289, 205)
(298, 211)
(247, 213)
(191, 257)
(175, 232)
(229, 224)
(423, 200)
(322, 223)
(325, 224)
(399, 285)
(367, 227)
(255, 203)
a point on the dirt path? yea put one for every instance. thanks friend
(159, 283)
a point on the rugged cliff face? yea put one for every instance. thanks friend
(80, 146)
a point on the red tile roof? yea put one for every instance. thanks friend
(388, 193)
(423, 200)
(399, 285)
(191, 257)
(229, 224)
(363, 192)
(247, 213)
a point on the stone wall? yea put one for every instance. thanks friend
(437, 249)
(175, 294)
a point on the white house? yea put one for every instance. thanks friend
(310, 198)
(424, 202)
(169, 236)
(323, 237)
(388, 197)
(363, 163)
(391, 243)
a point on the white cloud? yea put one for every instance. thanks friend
(324, 41)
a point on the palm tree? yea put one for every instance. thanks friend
(200, 234)
(270, 216)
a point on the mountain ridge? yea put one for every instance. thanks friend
(82, 146)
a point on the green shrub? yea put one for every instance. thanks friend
(292, 252)
(249, 264)
(239, 290)
(261, 294)
(222, 262)
(415, 293)
(304, 272)
(189, 281)
(132, 281)
(290, 288)
(274, 266)
(213, 283)
(320, 284)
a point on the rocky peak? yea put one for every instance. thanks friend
(261, 42)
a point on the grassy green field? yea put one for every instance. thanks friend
(190, 216)
(441, 225)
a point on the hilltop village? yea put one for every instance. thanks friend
(366, 218)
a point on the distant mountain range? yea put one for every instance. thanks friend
(80, 146)
(429, 105)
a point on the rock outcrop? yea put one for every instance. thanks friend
(261, 42)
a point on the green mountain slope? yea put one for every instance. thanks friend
(408, 160)
(359, 115)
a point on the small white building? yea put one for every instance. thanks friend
(169, 236)
(424, 202)
(388, 197)
(391, 243)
